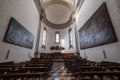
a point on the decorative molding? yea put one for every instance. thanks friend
(59, 26)
(38, 5)
(61, 2)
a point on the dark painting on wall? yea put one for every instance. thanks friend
(18, 35)
(98, 30)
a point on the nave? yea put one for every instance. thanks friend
(64, 68)
(59, 39)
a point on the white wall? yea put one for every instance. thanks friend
(112, 50)
(25, 12)
(51, 39)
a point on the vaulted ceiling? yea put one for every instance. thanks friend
(58, 14)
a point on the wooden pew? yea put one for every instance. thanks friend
(7, 66)
(68, 56)
(78, 69)
(35, 69)
(99, 73)
(40, 61)
(7, 63)
(46, 55)
(10, 66)
(3, 70)
(39, 65)
(113, 68)
(24, 75)
(107, 63)
(19, 71)
(82, 68)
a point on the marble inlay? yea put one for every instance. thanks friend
(59, 72)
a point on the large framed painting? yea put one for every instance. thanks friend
(18, 35)
(118, 2)
(98, 30)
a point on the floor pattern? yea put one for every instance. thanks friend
(59, 72)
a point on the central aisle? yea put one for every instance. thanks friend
(59, 72)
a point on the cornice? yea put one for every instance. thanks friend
(58, 26)
(61, 2)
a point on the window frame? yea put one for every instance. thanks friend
(56, 37)
(70, 38)
(44, 41)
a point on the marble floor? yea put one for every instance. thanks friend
(59, 72)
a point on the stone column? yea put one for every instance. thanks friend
(42, 15)
(36, 55)
(77, 40)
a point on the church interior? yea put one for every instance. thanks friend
(59, 39)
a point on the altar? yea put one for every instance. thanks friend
(57, 49)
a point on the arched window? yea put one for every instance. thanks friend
(44, 38)
(70, 38)
(57, 37)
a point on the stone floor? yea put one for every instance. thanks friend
(59, 72)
